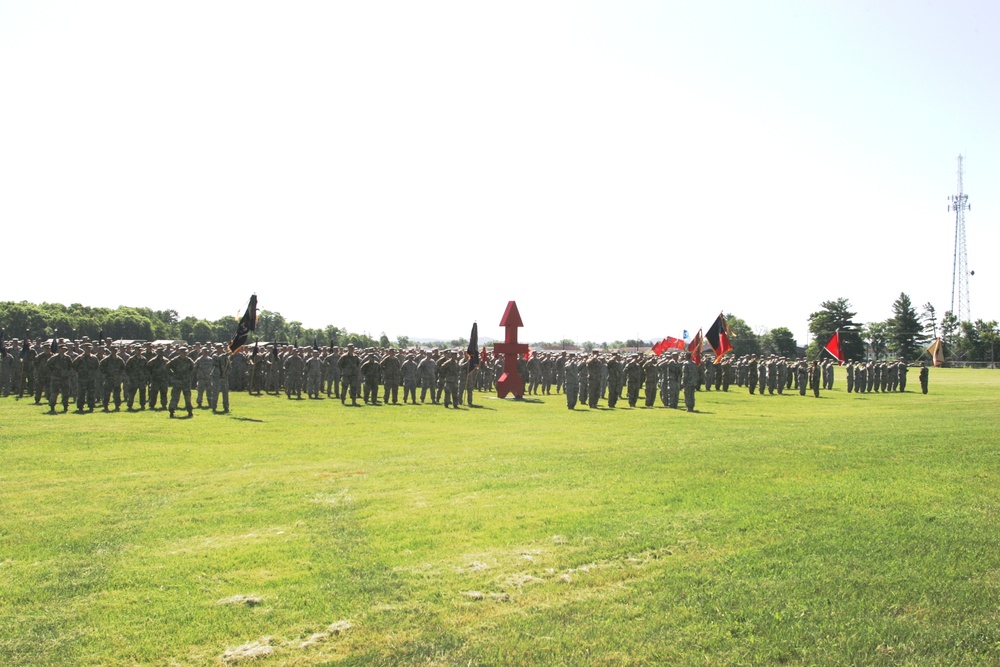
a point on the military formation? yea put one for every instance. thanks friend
(92, 374)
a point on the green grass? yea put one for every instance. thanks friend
(854, 529)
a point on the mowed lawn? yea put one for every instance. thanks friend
(853, 529)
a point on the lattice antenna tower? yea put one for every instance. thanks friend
(960, 268)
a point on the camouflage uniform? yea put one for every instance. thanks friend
(350, 376)
(181, 372)
(137, 373)
(689, 378)
(203, 375)
(428, 377)
(88, 371)
(633, 380)
(650, 376)
(294, 366)
(391, 376)
(112, 369)
(314, 375)
(571, 381)
(449, 374)
(158, 379)
(222, 367)
(408, 371)
(58, 367)
(594, 369)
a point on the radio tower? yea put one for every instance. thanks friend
(960, 270)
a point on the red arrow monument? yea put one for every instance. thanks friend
(510, 382)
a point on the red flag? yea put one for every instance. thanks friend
(675, 343)
(695, 347)
(658, 348)
(718, 337)
(483, 357)
(834, 348)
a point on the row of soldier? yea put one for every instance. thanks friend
(106, 374)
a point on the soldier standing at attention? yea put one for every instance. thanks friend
(158, 379)
(112, 368)
(650, 376)
(690, 380)
(294, 365)
(223, 364)
(333, 373)
(802, 377)
(59, 367)
(633, 379)
(571, 380)
(752, 374)
(203, 368)
(615, 373)
(923, 377)
(370, 375)
(674, 377)
(41, 373)
(594, 368)
(314, 374)
(391, 370)
(408, 371)
(350, 376)
(138, 377)
(449, 375)
(180, 370)
(427, 371)
(815, 378)
(87, 369)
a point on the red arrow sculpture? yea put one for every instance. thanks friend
(510, 382)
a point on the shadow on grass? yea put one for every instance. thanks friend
(248, 419)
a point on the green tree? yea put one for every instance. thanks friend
(271, 326)
(949, 333)
(782, 342)
(126, 323)
(930, 321)
(384, 342)
(16, 318)
(990, 336)
(877, 335)
(904, 329)
(833, 316)
(403, 341)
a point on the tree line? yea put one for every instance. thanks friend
(904, 335)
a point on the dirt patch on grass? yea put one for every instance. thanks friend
(242, 600)
(249, 651)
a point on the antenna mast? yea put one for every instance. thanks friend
(960, 268)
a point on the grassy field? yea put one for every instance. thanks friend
(853, 529)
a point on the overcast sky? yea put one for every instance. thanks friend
(620, 169)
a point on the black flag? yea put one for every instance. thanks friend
(55, 341)
(473, 352)
(247, 324)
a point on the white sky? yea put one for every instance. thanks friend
(619, 169)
